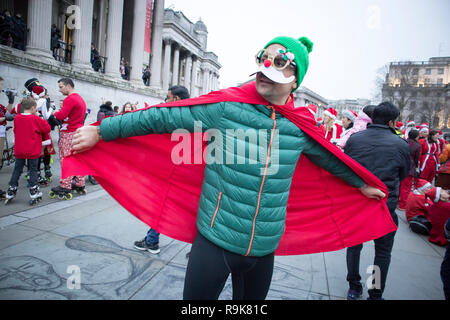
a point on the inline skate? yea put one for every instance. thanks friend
(48, 174)
(80, 190)
(61, 193)
(43, 182)
(10, 194)
(35, 195)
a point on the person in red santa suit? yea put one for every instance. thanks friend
(429, 157)
(414, 172)
(418, 205)
(442, 142)
(313, 110)
(439, 213)
(40, 94)
(409, 126)
(333, 130)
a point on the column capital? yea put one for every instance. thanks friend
(167, 40)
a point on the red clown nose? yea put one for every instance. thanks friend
(267, 63)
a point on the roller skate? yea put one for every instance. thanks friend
(48, 174)
(43, 181)
(80, 190)
(35, 195)
(61, 193)
(10, 194)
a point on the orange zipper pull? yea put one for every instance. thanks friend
(272, 116)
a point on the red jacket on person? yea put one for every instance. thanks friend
(72, 113)
(29, 131)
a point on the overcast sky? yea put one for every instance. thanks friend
(352, 38)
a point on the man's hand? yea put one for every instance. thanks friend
(371, 192)
(444, 197)
(84, 139)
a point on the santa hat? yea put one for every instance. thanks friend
(399, 124)
(440, 132)
(319, 119)
(313, 109)
(410, 123)
(423, 129)
(421, 185)
(434, 194)
(424, 125)
(349, 114)
(332, 113)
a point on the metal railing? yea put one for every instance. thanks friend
(64, 52)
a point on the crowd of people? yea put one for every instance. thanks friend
(13, 30)
(237, 229)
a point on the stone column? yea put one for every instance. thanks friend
(193, 90)
(205, 80)
(187, 71)
(39, 22)
(114, 38)
(137, 41)
(166, 65)
(82, 37)
(157, 43)
(176, 64)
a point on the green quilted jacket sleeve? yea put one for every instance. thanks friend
(160, 120)
(325, 159)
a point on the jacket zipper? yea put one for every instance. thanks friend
(263, 179)
(217, 209)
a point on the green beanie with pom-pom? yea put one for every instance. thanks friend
(300, 48)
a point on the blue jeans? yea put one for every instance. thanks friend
(383, 248)
(152, 236)
(32, 172)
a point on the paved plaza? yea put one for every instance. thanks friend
(46, 249)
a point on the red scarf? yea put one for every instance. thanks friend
(324, 213)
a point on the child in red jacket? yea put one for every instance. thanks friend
(29, 131)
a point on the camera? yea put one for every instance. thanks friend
(10, 91)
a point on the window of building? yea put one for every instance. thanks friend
(428, 71)
(415, 71)
(427, 80)
(441, 71)
(440, 81)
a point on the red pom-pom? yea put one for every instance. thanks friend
(38, 90)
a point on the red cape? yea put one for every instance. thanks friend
(324, 213)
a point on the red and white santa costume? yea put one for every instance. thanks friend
(333, 133)
(420, 200)
(429, 159)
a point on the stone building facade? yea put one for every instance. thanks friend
(117, 29)
(421, 89)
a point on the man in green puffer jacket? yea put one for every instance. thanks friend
(242, 209)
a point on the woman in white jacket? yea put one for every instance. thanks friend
(359, 124)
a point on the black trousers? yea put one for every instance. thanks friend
(18, 169)
(445, 273)
(383, 249)
(209, 267)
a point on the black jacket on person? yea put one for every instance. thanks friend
(105, 111)
(380, 150)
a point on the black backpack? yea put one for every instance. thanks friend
(420, 225)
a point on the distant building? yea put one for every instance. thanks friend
(421, 90)
(349, 104)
